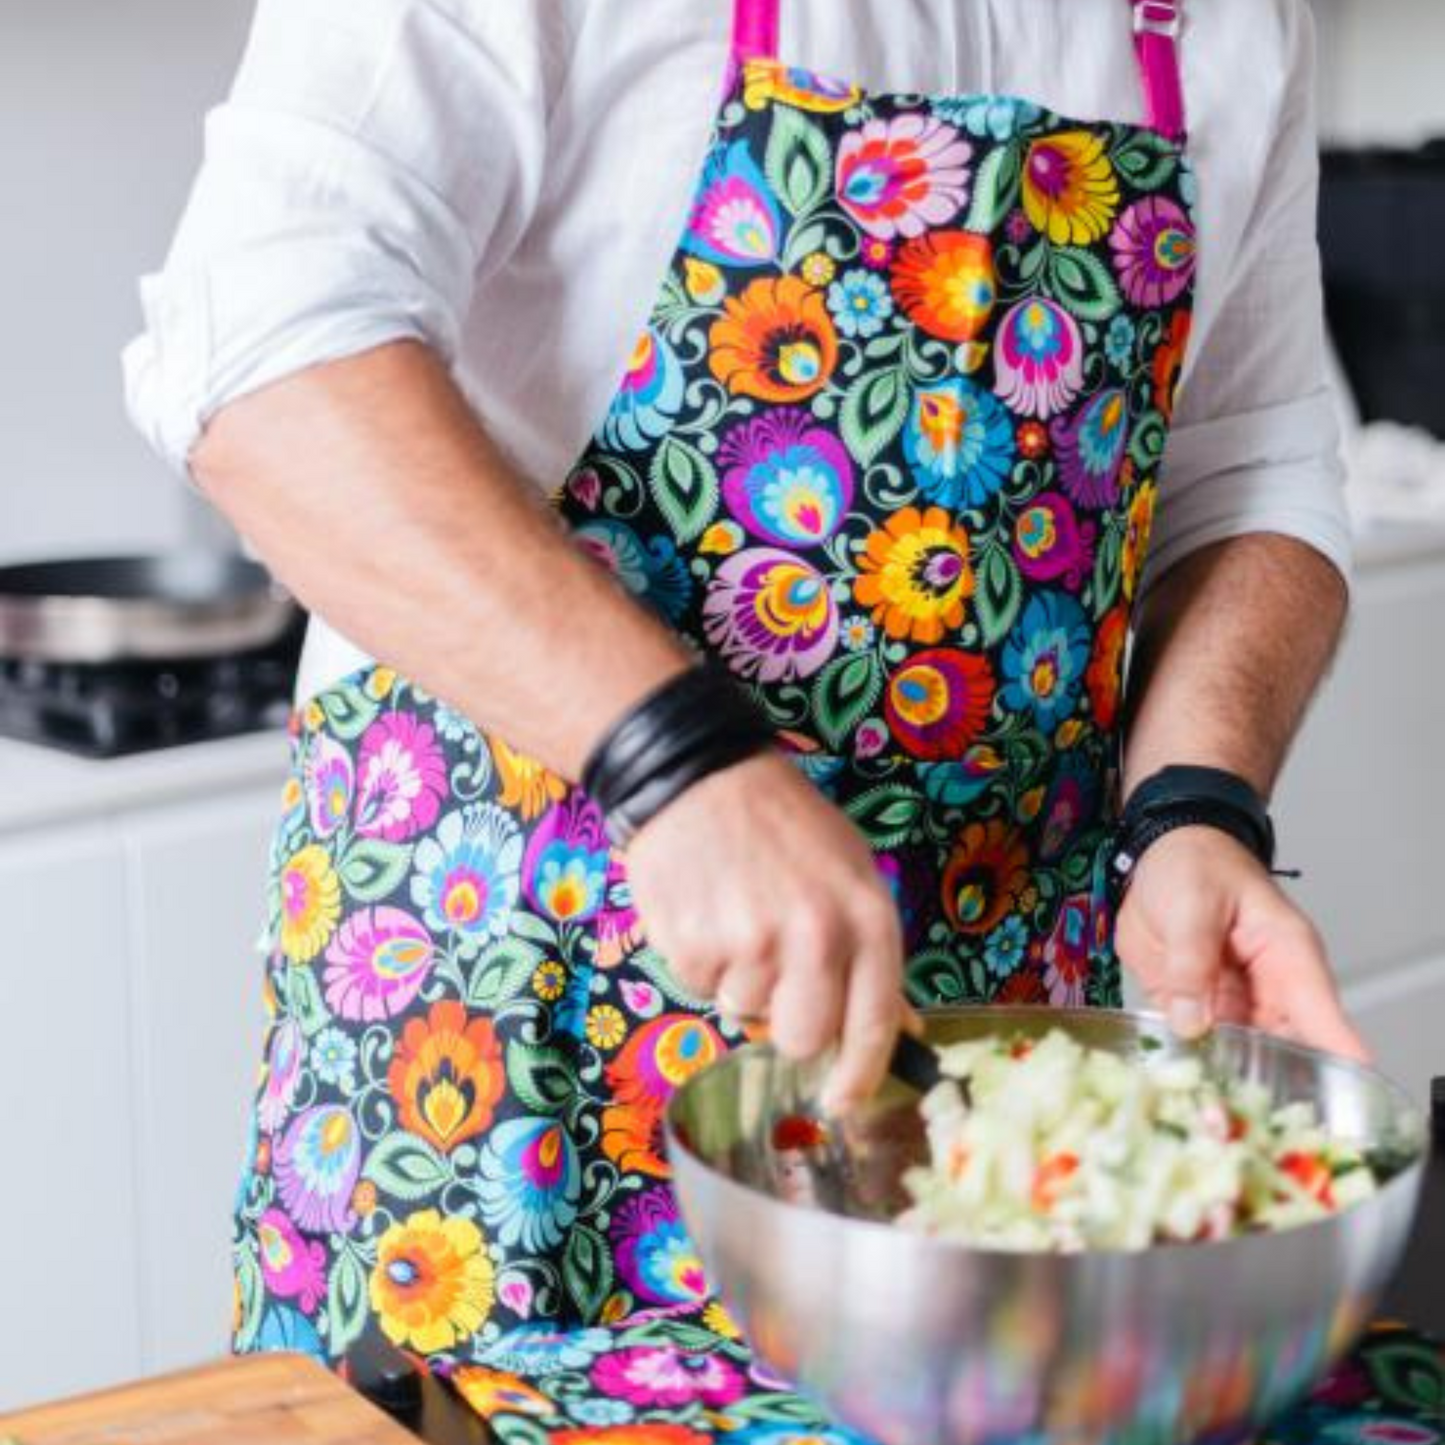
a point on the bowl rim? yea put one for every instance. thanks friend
(1407, 1180)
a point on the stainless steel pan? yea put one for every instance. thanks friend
(119, 609)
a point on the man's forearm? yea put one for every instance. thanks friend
(1232, 645)
(372, 492)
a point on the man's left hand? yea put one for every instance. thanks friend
(1212, 938)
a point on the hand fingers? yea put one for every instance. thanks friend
(1189, 978)
(1232, 1003)
(875, 1012)
(805, 1013)
(745, 991)
(1292, 980)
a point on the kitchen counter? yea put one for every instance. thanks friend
(41, 787)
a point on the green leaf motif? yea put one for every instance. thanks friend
(803, 241)
(303, 998)
(1408, 1373)
(1146, 160)
(996, 188)
(685, 486)
(873, 413)
(1107, 566)
(372, 868)
(346, 1298)
(253, 1296)
(1146, 446)
(587, 1270)
(542, 1077)
(934, 975)
(502, 972)
(886, 815)
(998, 594)
(349, 711)
(1082, 285)
(798, 162)
(843, 693)
(406, 1166)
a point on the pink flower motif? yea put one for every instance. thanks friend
(1018, 228)
(1066, 954)
(293, 1267)
(376, 964)
(330, 780)
(586, 486)
(283, 1070)
(1038, 358)
(642, 999)
(870, 739)
(1050, 541)
(403, 778)
(515, 1292)
(1154, 251)
(662, 1375)
(771, 615)
(902, 176)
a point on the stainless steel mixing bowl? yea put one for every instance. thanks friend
(916, 1341)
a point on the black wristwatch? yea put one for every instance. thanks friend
(1183, 797)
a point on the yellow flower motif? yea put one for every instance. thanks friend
(767, 80)
(527, 785)
(704, 282)
(722, 539)
(380, 683)
(549, 982)
(1069, 733)
(1030, 804)
(492, 1392)
(291, 794)
(363, 1198)
(1071, 193)
(310, 903)
(614, 1309)
(819, 268)
(606, 1026)
(433, 1284)
(716, 1318)
(313, 716)
(1136, 537)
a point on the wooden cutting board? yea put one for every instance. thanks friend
(275, 1399)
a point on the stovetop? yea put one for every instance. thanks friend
(113, 709)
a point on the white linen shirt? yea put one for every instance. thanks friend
(507, 179)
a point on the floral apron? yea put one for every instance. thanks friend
(888, 446)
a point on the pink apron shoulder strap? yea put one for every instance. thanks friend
(755, 30)
(1157, 24)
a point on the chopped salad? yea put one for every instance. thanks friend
(1059, 1147)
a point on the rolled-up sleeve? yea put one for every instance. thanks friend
(1256, 443)
(374, 161)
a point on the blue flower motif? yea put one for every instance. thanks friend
(542, 1350)
(1004, 949)
(1045, 657)
(600, 1411)
(333, 1057)
(795, 1434)
(1119, 341)
(468, 875)
(649, 397)
(288, 1329)
(860, 303)
(652, 571)
(530, 1180)
(995, 117)
(959, 442)
(451, 725)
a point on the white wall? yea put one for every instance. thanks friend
(100, 132)
(1382, 70)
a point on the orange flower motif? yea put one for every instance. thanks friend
(986, 877)
(1136, 537)
(914, 575)
(946, 283)
(527, 785)
(1106, 667)
(1033, 440)
(492, 1392)
(447, 1075)
(775, 342)
(1169, 363)
(631, 1435)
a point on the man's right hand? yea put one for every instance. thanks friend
(763, 896)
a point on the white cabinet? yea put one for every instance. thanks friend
(132, 993)
(68, 1255)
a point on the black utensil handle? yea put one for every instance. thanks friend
(916, 1064)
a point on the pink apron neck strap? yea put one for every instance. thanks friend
(755, 30)
(1157, 24)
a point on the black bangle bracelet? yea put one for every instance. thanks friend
(1182, 797)
(695, 724)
